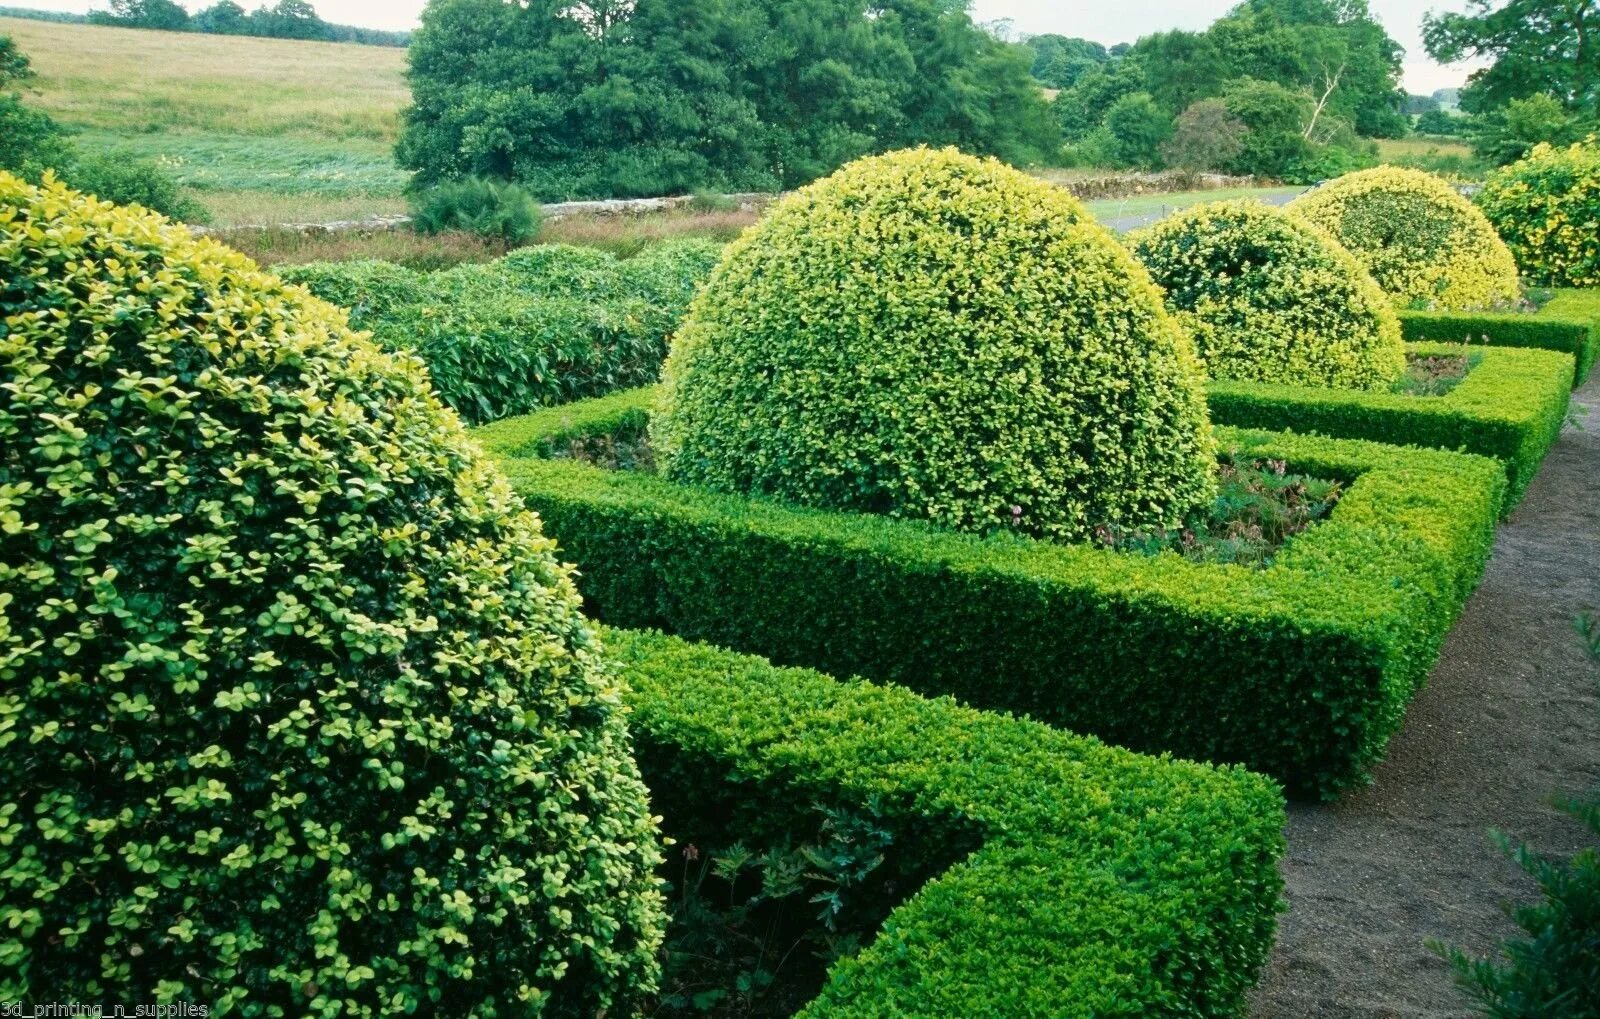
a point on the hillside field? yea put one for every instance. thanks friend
(284, 131)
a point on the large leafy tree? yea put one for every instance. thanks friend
(1537, 46)
(163, 14)
(627, 97)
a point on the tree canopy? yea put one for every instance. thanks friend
(638, 97)
(1537, 46)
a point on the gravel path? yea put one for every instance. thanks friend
(1509, 717)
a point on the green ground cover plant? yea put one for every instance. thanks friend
(299, 714)
(1339, 629)
(1511, 406)
(540, 326)
(1568, 321)
(1072, 878)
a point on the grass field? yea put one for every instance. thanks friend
(243, 121)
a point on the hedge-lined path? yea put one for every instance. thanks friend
(1509, 717)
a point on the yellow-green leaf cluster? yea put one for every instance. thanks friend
(1269, 297)
(298, 712)
(930, 335)
(1427, 246)
(1547, 207)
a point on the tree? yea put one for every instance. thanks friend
(1275, 118)
(1207, 136)
(223, 18)
(289, 19)
(1507, 134)
(1538, 46)
(160, 14)
(1138, 128)
(639, 97)
(1059, 61)
(1438, 122)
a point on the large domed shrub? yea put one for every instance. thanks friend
(1268, 297)
(929, 335)
(298, 713)
(1547, 208)
(1426, 246)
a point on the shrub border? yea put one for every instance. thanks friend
(1511, 406)
(1569, 322)
(1301, 670)
(1105, 883)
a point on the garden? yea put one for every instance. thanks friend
(929, 603)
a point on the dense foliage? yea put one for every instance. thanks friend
(487, 208)
(1511, 405)
(1353, 610)
(1301, 77)
(1069, 878)
(1426, 245)
(651, 97)
(929, 335)
(541, 326)
(1547, 208)
(286, 19)
(1268, 297)
(298, 710)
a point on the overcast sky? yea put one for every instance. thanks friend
(1107, 22)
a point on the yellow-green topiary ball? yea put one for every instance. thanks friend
(298, 712)
(1268, 297)
(1426, 246)
(1547, 208)
(929, 335)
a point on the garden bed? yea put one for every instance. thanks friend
(1510, 406)
(1068, 878)
(1569, 322)
(1301, 669)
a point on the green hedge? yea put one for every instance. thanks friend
(1301, 670)
(1569, 322)
(542, 326)
(1104, 883)
(1511, 406)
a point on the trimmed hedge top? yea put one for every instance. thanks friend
(1428, 247)
(930, 335)
(1105, 884)
(1547, 208)
(1268, 297)
(298, 713)
(1144, 651)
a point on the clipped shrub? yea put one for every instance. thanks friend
(1427, 247)
(1569, 322)
(484, 207)
(371, 291)
(298, 712)
(1268, 297)
(1547, 208)
(930, 335)
(670, 274)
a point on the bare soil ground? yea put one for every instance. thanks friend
(1509, 718)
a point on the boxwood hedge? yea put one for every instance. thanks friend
(1104, 883)
(1570, 322)
(1511, 406)
(1301, 669)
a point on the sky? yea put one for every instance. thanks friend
(1091, 19)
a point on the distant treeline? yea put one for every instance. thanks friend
(29, 14)
(287, 19)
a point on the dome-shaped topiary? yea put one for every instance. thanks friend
(1268, 297)
(1547, 208)
(298, 712)
(1424, 244)
(929, 335)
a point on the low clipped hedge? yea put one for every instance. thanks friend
(1301, 669)
(1104, 883)
(1511, 406)
(542, 326)
(1569, 321)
